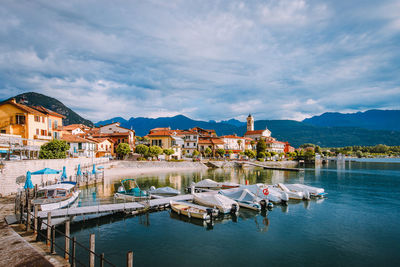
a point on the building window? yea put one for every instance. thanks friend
(3, 131)
(43, 119)
(79, 145)
(44, 132)
(55, 135)
(37, 131)
(20, 119)
(55, 124)
(37, 118)
(49, 123)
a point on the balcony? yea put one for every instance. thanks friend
(42, 137)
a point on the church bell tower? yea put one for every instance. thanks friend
(250, 123)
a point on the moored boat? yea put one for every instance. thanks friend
(191, 210)
(164, 191)
(298, 195)
(129, 190)
(266, 192)
(313, 191)
(222, 203)
(56, 196)
(243, 197)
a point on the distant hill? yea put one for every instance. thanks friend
(35, 99)
(295, 132)
(371, 119)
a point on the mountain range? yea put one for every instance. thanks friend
(328, 130)
(295, 132)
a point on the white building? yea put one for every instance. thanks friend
(191, 142)
(80, 147)
(255, 134)
(234, 143)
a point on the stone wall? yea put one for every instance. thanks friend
(12, 175)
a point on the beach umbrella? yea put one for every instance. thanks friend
(64, 174)
(45, 171)
(79, 172)
(28, 181)
(94, 169)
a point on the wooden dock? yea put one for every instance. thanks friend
(113, 208)
(268, 167)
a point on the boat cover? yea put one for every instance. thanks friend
(165, 190)
(207, 183)
(239, 195)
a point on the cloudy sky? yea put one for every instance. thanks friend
(277, 59)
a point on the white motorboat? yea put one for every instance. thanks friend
(313, 191)
(298, 195)
(56, 196)
(210, 184)
(207, 183)
(191, 210)
(164, 191)
(222, 203)
(265, 192)
(244, 197)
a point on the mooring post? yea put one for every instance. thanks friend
(21, 210)
(91, 258)
(67, 236)
(102, 260)
(35, 192)
(28, 216)
(35, 219)
(129, 259)
(39, 227)
(73, 252)
(48, 228)
(53, 239)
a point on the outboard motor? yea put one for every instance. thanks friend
(210, 213)
(120, 189)
(306, 195)
(263, 204)
(152, 188)
(234, 209)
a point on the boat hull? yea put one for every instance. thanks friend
(60, 204)
(189, 211)
(130, 197)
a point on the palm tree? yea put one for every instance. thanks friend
(240, 144)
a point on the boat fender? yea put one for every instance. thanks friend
(234, 208)
(152, 188)
(270, 205)
(263, 204)
(189, 214)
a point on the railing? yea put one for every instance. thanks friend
(71, 244)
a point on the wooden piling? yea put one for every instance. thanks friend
(92, 256)
(53, 239)
(28, 216)
(48, 228)
(102, 260)
(73, 264)
(129, 259)
(35, 219)
(67, 236)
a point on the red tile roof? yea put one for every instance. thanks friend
(23, 107)
(232, 136)
(75, 139)
(48, 111)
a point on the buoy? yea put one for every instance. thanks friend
(270, 205)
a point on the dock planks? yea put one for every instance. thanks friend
(113, 208)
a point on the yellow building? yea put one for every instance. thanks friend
(167, 139)
(37, 125)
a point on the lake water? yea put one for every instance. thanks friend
(356, 225)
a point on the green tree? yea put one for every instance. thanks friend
(196, 153)
(221, 152)
(261, 155)
(208, 151)
(239, 144)
(123, 149)
(250, 153)
(317, 149)
(154, 151)
(268, 155)
(55, 149)
(261, 146)
(142, 149)
(168, 152)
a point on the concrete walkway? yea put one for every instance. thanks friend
(15, 250)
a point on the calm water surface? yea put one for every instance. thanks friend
(357, 225)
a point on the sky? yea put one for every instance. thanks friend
(208, 60)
